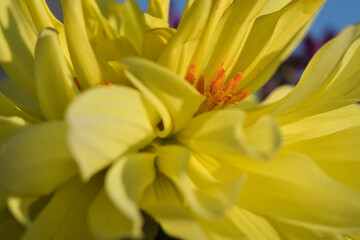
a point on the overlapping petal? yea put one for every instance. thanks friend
(54, 79)
(33, 171)
(104, 123)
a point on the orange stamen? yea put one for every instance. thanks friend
(191, 77)
(220, 93)
(106, 83)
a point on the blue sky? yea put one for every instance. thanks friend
(335, 15)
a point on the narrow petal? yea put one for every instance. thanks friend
(17, 46)
(223, 51)
(9, 108)
(293, 187)
(64, 217)
(89, 67)
(54, 81)
(43, 163)
(104, 123)
(124, 186)
(126, 18)
(179, 97)
(178, 53)
(162, 201)
(205, 195)
(221, 133)
(22, 100)
(332, 66)
(264, 51)
(159, 8)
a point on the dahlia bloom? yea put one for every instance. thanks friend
(115, 126)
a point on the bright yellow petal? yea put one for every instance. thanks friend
(126, 18)
(43, 163)
(17, 46)
(64, 217)
(55, 83)
(223, 51)
(266, 49)
(179, 97)
(162, 201)
(104, 123)
(337, 154)
(335, 69)
(89, 67)
(293, 187)
(205, 195)
(10, 125)
(159, 8)
(124, 186)
(178, 53)
(221, 133)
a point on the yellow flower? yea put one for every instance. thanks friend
(117, 124)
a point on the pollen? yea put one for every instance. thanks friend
(109, 84)
(220, 93)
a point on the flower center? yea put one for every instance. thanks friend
(220, 93)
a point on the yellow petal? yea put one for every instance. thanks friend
(221, 133)
(178, 53)
(217, 10)
(154, 22)
(162, 201)
(9, 227)
(126, 18)
(104, 123)
(89, 67)
(64, 217)
(159, 8)
(8, 108)
(17, 46)
(155, 42)
(294, 232)
(10, 125)
(335, 69)
(322, 124)
(55, 84)
(293, 187)
(264, 51)
(274, 6)
(241, 224)
(22, 100)
(205, 195)
(179, 97)
(223, 51)
(43, 163)
(20, 208)
(107, 222)
(336, 153)
(124, 186)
